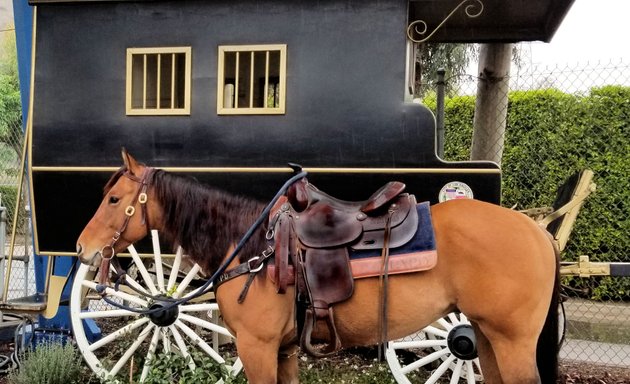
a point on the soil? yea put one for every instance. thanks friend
(569, 372)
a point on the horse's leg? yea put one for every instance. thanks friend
(514, 354)
(260, 358)
(288, 365)
(490, 370)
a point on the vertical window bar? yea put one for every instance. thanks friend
(251, 81)
(266, 101)
(236, 80)
(144, 82)
(173, 81)
(159, 75)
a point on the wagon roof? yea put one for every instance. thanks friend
(500, 21)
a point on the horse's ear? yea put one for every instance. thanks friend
(130, 163)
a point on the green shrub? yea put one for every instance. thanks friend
(49, 363)
(171, 368)
(549, 136)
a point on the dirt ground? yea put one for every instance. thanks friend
(569, 372)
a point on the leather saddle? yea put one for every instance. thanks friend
(317, 231)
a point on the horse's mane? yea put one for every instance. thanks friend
(206, 221)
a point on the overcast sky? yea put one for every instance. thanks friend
(593, 30)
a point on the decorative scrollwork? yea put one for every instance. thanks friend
(420, 27)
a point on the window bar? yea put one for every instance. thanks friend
(265, 102)
(173, 81)
(251, 81)
(158, 83)
(144, 82)
(238, 54)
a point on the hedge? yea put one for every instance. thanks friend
(549, 136)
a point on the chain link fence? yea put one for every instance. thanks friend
(562, 119)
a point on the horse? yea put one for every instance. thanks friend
(495, 265)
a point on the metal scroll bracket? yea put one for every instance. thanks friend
(419, 28)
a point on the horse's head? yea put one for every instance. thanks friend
(122, 217)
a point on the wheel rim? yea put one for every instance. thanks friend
(134, 336)
(429, 348)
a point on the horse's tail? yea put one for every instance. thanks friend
(548, 342)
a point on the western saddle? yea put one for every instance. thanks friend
(316, 232)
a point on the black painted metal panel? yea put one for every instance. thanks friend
(345, 86)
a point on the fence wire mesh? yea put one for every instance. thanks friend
(559, 120)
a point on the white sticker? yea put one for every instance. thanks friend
(455, 190)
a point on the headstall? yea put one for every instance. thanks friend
(108, 252)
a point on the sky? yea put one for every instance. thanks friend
(593, 30)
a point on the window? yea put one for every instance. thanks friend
(158, 81)
(251, 79)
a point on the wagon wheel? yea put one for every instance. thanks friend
(129, 340)
(429, 349)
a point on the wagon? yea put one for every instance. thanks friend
(228, 94)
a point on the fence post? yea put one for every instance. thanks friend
(441, 85)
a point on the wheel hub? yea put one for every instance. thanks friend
(163, 317)
(462, 343)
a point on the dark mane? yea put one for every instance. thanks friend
(206, 221)
(114, 179)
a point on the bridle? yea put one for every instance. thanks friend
(143, 181)
(108, 252)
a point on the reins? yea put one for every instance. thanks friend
(205, 288)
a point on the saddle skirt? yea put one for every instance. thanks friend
(418, 254)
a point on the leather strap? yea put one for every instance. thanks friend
(108, 252)
(384, 282)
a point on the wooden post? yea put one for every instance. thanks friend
(492, 101)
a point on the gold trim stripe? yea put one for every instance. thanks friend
(283, 170)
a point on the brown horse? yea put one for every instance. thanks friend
(495, 265)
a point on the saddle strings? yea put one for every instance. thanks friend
(383, 284)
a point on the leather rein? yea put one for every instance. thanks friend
(108, 252)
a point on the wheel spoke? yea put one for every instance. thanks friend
(172, 278)
(200, 342)
(432, 331)
(143, 271)
(120, 294)
(444, 323)
(457, 371)
(419, 344)
(150, 354)
(133, 283)
(425, 360)
(202, 307)
(205, 324)
(453, 318)
(106, 314)
(189, 276)
(183, 349)
(470, 372)
(157, 254)
(119, 333)
(440, 370)
(132, 349)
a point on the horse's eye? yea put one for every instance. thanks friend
(113, 199)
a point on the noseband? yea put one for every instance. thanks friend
(108, 252)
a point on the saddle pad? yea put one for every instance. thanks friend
(417, 255)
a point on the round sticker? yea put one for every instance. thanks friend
(455, 190)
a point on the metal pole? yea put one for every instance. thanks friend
(441, 85)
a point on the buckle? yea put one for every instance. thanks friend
(252, 266)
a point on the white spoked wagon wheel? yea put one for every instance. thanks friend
(430, 349)
(130, 340)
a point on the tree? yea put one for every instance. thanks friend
(10, 103)
(454, 58)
